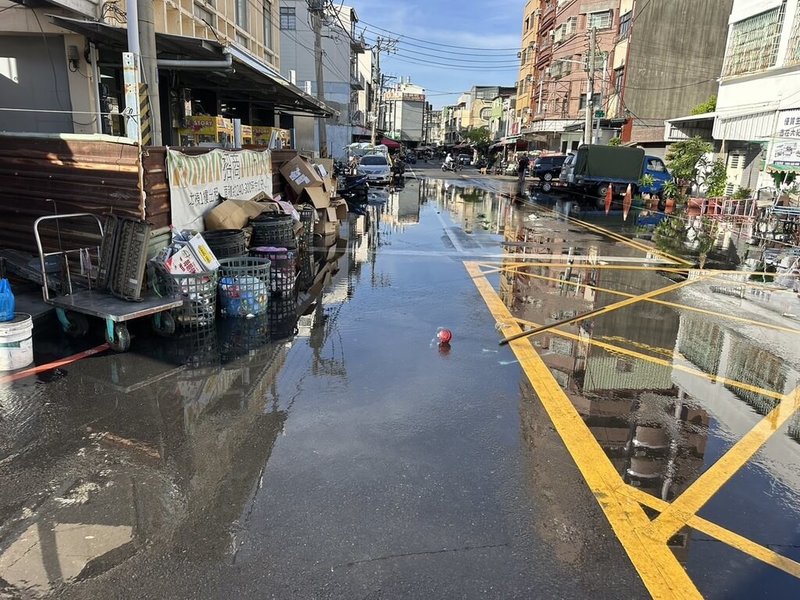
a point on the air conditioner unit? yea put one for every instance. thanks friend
(553, 33)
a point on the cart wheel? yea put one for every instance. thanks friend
(164, 323)
(122, 338)
(77, 324)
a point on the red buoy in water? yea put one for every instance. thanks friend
(444, 336)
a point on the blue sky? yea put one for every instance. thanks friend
(483, 39)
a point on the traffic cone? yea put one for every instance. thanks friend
(626, 202)
(609, 194)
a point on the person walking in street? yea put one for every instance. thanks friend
(522, 168)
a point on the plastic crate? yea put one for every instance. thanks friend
(107, 252)
(306, 268)
(130, 259)
(273, 230)
(282, 272)
(226, 243)
(240, 337)
(244, 284)
(282, 318)
(306, 237)
(199, 293)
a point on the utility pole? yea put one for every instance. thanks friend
(149, 68)
(317, 10)
(587, 129)
(382, 44)
(602, 95)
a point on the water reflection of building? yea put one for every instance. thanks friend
(153, 464)
(651, 429)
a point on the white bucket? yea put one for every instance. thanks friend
(16, 345)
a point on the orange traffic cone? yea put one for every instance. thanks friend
(609, 193)
(626, 202)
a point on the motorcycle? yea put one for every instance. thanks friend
(453, 166)
(354, 189)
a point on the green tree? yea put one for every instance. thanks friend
(687, 159)
(480, 136)
(716, 179)
(615, 141)
(708, 106)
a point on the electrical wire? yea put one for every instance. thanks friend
(437, 44)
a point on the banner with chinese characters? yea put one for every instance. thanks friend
(198, 183)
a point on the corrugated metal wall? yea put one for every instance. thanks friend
(45, 175)
(57, 174)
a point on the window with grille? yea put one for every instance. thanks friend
(288, 18)
(571, 26)
(793, 51)
(753, 43)
(599, 20)
(619, 79)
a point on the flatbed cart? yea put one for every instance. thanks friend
(74, 305)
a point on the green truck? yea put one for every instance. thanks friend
(592, 169)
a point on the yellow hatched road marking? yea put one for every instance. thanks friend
(657, 301)
(734, 540)
(657, 566)
(696, 495)
(656, 360)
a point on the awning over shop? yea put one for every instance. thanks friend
(249, 78)
(391, 144)
(779, 168)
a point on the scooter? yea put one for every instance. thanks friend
(354, 189)
(453, 166)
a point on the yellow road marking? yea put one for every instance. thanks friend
(696, 495)
(658, 361)
(726, 536)
(619, 238)
(657, 301)
(630, 242)
(582, 265)
(657, 566)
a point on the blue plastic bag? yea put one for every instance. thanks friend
(6, 301)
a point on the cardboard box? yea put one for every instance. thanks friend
(360, 225)
(329, 184)
(235, 214)
(326, 227)
(203, 253)
(341, 208)
(300, 174)
(316, 196)
(325, 166)
(184, 262)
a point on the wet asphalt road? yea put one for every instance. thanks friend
(354, 459)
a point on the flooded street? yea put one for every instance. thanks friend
(343, 453)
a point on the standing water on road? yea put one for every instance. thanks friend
(341, 453)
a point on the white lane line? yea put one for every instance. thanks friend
(456, 244)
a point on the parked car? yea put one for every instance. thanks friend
(464, 159)
(567, 168)
(376, 167)
(548, 167)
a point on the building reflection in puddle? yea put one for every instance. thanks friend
(651, 429)
(152, 469)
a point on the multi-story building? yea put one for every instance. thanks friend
(404, 112)
(659, 71)
(342, 77)
(218, 59)
(757, 117)
(648, 67)
(528, 73)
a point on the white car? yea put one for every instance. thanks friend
(376, 168)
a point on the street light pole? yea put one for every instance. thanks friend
(587, 126)
(317, 11)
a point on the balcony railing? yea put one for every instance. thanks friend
(357, 81)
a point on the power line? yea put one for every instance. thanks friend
(439, 44)
(454, 52)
